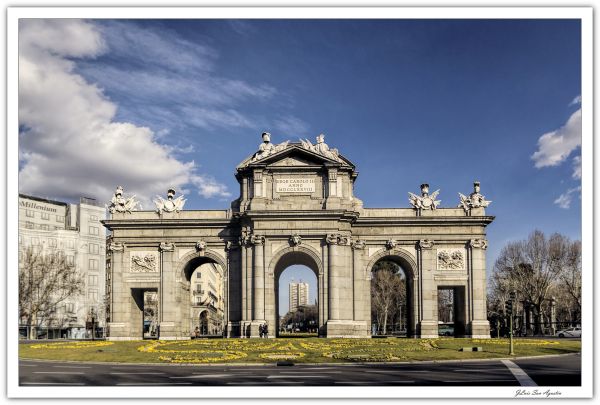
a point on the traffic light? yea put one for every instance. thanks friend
(508, 307)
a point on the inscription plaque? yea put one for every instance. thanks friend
(295, 185)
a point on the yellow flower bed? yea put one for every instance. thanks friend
(208, 357)
(71, 345)
(281, 356)
(520, 342)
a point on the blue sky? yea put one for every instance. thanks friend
(150, 104)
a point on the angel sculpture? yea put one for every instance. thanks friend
(120, 204)
(170, 204)
(425, 201)
(474, 200)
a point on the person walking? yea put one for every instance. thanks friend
(260, 330)
(266, 330)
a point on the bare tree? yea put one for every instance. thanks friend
(387, 291)
(535, 268)
(45, 281)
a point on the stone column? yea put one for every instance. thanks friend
(119, 328)
(479, 327)
(244, 292)
(258, 290)
(361, 288)
(427, 302)
(169, 313)
(334, 293)
(234, 289)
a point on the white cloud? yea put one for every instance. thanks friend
(556, 146)
(564, 200)
(71, 145)
(291, 126)
(576, 100)
(577, 167)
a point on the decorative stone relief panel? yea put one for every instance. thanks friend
(451, 259)
(144, 262)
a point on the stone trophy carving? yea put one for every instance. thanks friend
(478, 243)
(115, 247)
(295, 240)
(424, 201)
(321, 148)
(474, 200)
(267, 148)
(338, 239)
(143, 263)
(256, 239)
(390, 244)
(450, 259)
(170, 204)
(167, 247)
(118, 203)
(200, 245)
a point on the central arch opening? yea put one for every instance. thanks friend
(391, 298)
(296, 293)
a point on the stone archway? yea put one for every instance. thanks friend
(299, 255)
(409, 266)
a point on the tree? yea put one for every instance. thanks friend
(45, 281)
(537, 268)
(388, 293)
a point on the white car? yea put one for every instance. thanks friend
(571, 332)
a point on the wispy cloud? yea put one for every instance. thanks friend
(291, 126)
(71, 144)
(564, 200)
(577, 167)
(555, 147)
(576, 101)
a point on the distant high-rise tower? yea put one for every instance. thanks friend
(298, 295)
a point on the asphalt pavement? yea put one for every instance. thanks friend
(562, 370)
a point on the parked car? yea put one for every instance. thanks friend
(571, 332)
(446, 330)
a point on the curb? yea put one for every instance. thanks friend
(345, 364)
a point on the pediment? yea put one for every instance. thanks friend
(294, 156)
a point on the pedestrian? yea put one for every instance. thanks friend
(260, 330)
(197, 333)
(266, 330)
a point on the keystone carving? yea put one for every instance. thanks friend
(200, 245)
(478, 243)
(424, 201)
(295, 240)
(118, 203)
(390, 244)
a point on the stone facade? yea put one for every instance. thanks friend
(297, 206)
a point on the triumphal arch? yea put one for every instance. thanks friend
(296, 206)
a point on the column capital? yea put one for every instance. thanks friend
(256, 240)
(425, 243)
(167, 247)
(478, 243)
(115, 246)
(358, 244)
(338, 239)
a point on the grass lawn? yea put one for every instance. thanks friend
(298, 350)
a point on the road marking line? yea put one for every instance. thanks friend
(165, 383)
(58, 372)
(519, 374)
(296, 376)
(353, 382)
(49, 383)
(205, 376)
(70, 367)
(136, 373)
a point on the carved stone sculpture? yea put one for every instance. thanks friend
(425, 244)
(120, 204)
(321, 148)
(166, 247)
(115, 247)
(143, 263)
(295, 240)
(170, 204)
(338, 239)
(474, 200)
(358, 244)
(267, 148)
(256, 239)
(450, 259)
(200, 245)
(478, 243)
(390, 244)
(424, 201)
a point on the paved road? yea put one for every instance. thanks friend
(553, 371)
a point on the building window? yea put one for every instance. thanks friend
(93, 230)
(29, 225)
(93, 248)
(93, 295)
(45, 215)
(92, 280)
(70, 307)
(70, 244)
(60, 218)
(70, 260)
(93, 218)
(30, 213)
(44, 227)
(93, 265)
(198, 275)
(52, 243)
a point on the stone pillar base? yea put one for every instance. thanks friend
(120, 331)
(479, 330)
(347, 329)
(233, 329)
(254, 331)
(428, 329)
